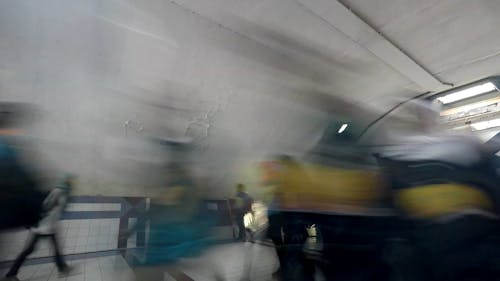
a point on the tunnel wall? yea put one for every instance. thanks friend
(109, 76)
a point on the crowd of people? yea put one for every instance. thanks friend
(443, 188)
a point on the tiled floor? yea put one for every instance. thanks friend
(110, 268)
(233, 261)
(75, 236)
(225, 262)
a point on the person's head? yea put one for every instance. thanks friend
(10, 115)
(427, 113)
(67, 182)
(240, 187)
(175, 171)
(17, 117)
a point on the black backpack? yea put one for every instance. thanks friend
(21, 199)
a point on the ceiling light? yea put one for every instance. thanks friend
(342, 128)
(486, 124)
(467, 93)
(470, 107)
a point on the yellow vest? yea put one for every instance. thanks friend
(432, 201)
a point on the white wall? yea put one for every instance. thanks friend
(92, 65)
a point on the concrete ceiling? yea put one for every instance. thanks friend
(452, 40)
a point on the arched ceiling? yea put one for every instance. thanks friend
(245, 75)
(452, 41)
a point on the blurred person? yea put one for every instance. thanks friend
(243, 206)
(492, 147)
(288, 230)
(446, 188)
(20, 193)
(53, 206)
(177, 226)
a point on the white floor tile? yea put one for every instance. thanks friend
(27, 271)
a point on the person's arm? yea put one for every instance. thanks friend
(51, 200)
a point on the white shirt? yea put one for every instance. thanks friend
(54, 205)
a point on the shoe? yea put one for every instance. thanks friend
(10, 278)
(67, 270)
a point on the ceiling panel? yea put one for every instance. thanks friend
(441, 35)
(285, 26)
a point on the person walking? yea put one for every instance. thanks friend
(53, 206)
(243, 205)
(176, 227)
(445, 187)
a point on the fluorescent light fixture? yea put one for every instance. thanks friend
(483, 125)
(467, 93)
(342, 128)
(470, 106)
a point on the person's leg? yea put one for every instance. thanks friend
(61, 264)
(241, 227)
(406, 261)
(274, 233)
(473, 248)
(30, 247)
(294, 265)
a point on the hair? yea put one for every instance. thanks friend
(13, 114)
(65, 181)
(426, 113)
(7, 117)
